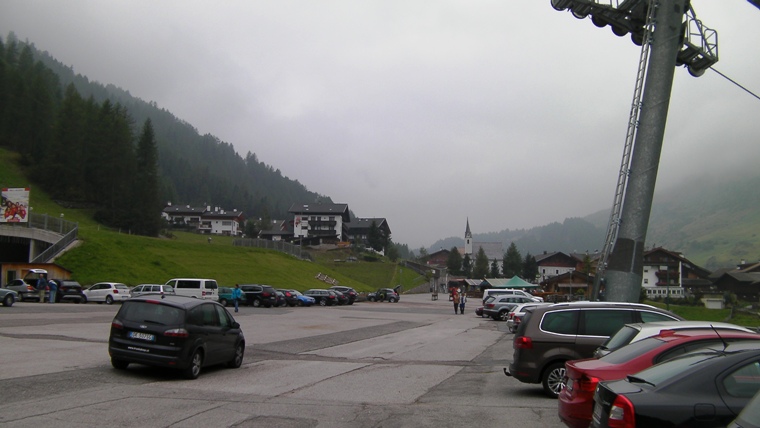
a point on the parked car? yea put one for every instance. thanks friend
(385, 294)
(515, 316)
(69, 291)
(479, 311)
(704, 388)
(8, 297)
(257, 295)
(342, 298)
(26, 287)
(302, 299)
(177, 332)
(141, 289)
(106, 292)
(498, 307)
(632, 332)
(322, 297)
(503, 291)
(550, 335)
(279, 299)
(225, 295)
(576, 401)
(347, 291)
(290, 298)
(750, 416)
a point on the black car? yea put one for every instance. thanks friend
(177, 332)
(259, 295)
(322, 297)
(342, 298)
(291, 298)
(705, 388)
(347, 291)
(69, 291)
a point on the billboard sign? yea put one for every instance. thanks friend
(15, 205)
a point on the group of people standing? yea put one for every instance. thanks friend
(44, 286)
(460, 299)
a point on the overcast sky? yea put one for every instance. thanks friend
(427, 113)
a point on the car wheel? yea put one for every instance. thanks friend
(196, 361)
(323, 302)
(109, 300)
(84, 299)
(237, 361)
(256, 303)
(371, 299)
(223, 302)
(392, 300)
(9, 300)
(300, 303)
(119, 364)
(553, 379)
(503, 315)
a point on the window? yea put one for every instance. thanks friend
(647, 316)
(646, 280)
(188, 284)
(560, 322)
(744, 382)
(604, 322)
(224, 320)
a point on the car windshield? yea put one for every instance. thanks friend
(671, 368)
(296, 292)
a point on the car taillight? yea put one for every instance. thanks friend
(330, 297)
(115, 291)
(490, 305)
(511, 316)
(587, 383)
(265, 294)
(117, 325)
(203, 293)
(523, 342)
(176, 332)
(621, 413)
(30, 288)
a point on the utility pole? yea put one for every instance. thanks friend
(625, 269)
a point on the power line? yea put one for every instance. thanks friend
(735, 83)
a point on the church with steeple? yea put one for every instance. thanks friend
(494, 250)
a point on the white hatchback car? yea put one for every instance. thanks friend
(107, 292)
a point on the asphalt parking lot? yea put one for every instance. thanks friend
(412, 363)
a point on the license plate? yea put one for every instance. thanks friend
(141, 336)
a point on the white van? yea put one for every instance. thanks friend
(195, 287)
(501, 291)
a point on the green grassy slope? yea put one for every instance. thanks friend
(112, 255)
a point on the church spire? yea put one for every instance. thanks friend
(468, 239)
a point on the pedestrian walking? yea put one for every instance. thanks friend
(462, 301)
(456, 301)
(237, 294)
(53, 287)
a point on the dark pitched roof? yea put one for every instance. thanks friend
(365, 223)
(184, 210)
(332, 209)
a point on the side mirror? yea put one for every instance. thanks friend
(235, 325)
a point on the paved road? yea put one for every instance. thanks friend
(412, 363)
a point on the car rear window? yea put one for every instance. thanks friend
(122, 287)
(623, 337)
(629, 352)
(148, 312)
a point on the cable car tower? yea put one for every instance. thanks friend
(670, 35)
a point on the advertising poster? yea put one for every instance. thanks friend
(15, 207)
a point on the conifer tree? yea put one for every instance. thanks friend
(513, 261)
(481, 264)
(454, 261)
(147, 215)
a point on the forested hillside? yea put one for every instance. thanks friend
(192, 169)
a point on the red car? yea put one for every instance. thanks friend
(576, 401)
